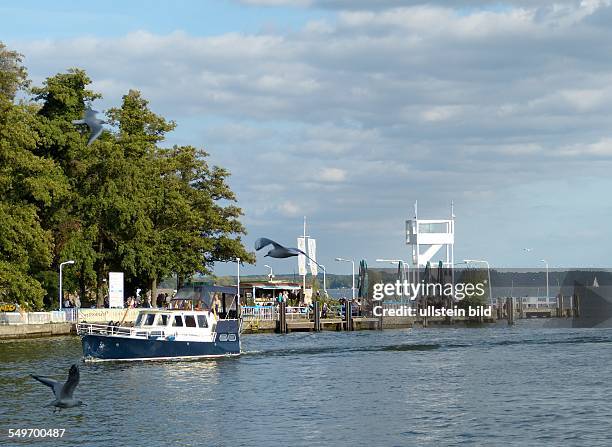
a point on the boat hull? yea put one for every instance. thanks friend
(116, 347)
(124, 348)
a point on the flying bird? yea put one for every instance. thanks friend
(94, 124)
(278, 251)
(63, 392)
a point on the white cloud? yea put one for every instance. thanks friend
(333, 175)
(289, 208)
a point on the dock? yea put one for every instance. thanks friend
(282, 319)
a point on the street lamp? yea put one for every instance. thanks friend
(547, 294)
(271, 274)
(238, 287)
(324, 279)
(61, 294)
(482, 261)
(405, 268)
(353, 263)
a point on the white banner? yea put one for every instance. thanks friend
(301, 258)
(115, 289)
(312, 253)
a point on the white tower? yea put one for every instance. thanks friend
(428, 237)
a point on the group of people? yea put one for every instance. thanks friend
(163, 300)
(72, 301)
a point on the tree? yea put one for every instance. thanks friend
(29, 184)
(63, 98)
(123, 203)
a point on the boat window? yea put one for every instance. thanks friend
(190, 321)
(162, 320)
(202, 321)
(223, 337)
(231, 337)
(178, 321)
(138, 320)
(148, 321)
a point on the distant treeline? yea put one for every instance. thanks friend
(499, 278)
(122, 204)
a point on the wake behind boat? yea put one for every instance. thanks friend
(193, 327)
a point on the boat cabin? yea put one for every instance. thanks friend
(220, 300)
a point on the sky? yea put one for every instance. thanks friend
(347, 111)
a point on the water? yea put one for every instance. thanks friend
(428, 387)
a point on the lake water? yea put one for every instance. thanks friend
(428, 387)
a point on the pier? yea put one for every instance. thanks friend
(283, 319)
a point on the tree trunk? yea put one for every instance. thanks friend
(153, 288)
(100, 289)
(100, 277)
(82, 286)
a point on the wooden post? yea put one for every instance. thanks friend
(282, 317)
(559, 306)
(380, 318)
(317, 316)
(576, 306)
(510, 310)
(347, 315)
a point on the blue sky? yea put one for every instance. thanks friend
(349, 111)
(65, 19)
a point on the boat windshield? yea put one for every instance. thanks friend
(162, 320)
(139, 320)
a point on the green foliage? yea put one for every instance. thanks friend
(122, 204)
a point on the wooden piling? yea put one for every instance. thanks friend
(347, 315)
(510, 310)
(317, 316)
(282, 317)
(576, 306)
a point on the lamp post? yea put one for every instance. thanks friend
(405, 268)
(61, 292)
(324, 279)
(271, 274)
(238, 287)
(482, 261)
(353, 263)
(546, 263)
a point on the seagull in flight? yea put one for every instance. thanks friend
(278, 251)
(63, 391)
(94, 124)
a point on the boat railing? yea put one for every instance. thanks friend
(148, 332)
(109, 329)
